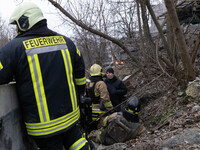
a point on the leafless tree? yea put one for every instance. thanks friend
(6, 33)
(120, 22)
(99, 33)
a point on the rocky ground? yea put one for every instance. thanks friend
(172, 118)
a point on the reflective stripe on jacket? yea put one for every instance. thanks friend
(49, 72)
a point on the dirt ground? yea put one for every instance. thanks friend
(166, 110)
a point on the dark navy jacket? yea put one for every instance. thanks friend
(116, 89)
(49, 72)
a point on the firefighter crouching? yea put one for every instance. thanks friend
(99, 95)
(120, 127)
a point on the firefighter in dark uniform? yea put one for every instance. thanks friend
(50, 75)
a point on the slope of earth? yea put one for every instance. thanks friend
(171, 118)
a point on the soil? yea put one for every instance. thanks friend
(166, 110)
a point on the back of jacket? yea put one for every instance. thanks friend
(49, 72)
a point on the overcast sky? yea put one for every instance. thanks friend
(50, 12)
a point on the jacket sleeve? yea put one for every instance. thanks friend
(104, 95)
(79, 71)
(6, 72)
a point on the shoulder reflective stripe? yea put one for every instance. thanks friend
(78, 144)
(69, 73)
(46, 49)
(80, 81)
(1, 66)
(78, 52)
(38, 87)
(108, 104)
(44, 41)
(52, 127)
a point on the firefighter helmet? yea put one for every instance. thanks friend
(133, 105)
(26, 15)
(132, 110)
(95, 70)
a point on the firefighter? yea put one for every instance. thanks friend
(120, 127)
(99, 95)
(50, 75)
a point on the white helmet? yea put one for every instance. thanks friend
(26, 15)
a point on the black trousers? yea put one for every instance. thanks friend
(68, 140)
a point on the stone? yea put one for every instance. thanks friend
(192, 136)
(193, 88)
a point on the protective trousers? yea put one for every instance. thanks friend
(70, 140)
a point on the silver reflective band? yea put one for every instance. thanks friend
(64, 125)
(80, 144)
(80, 82)
(46, 49)
(38, 87)
(67, 117)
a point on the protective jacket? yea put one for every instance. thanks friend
(49, 74)
(117, 129)
(116, 89)
(101, 100)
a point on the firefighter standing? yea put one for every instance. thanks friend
(98, 92)
(49, 74)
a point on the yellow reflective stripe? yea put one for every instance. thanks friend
(1, 66)
(97, 111)
(44, 100)
(78, 52)
(131, 111)
(35, 88)
(80, 81)
(53, 126)
(78, 144)
(98, 136)
(95, 118)
(96, 94)
(69, 73)
(53, 122)
(105, 121)
(108, 104)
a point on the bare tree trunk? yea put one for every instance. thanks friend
(158, 27)
(148, 38)
(171, 41)
(185, 58)
(140, 32)
(77, 22)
